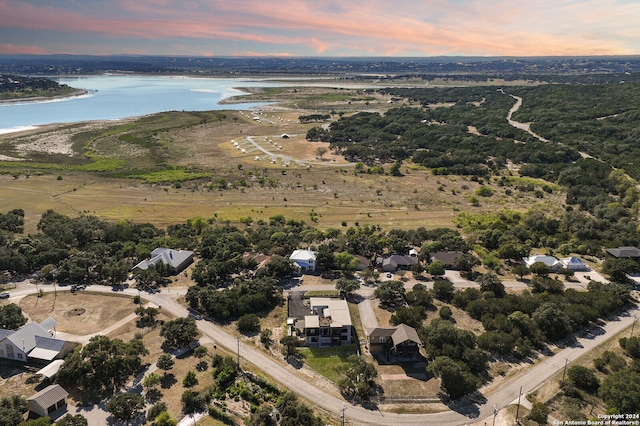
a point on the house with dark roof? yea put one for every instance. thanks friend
(32, 341)
(624, 253)
(447, 257)
(177, 260)
(397, 261)
(49, 402)
(389, 343)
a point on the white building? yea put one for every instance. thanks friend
(305, 259)
(329, 323)
(32, 340)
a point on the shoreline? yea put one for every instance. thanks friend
(36, 99)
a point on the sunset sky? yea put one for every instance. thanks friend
(321, 27)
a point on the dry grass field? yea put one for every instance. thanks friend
(265, 174)
(80, 313)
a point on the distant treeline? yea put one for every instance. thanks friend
(471, 67)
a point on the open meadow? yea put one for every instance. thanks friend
(228, 165)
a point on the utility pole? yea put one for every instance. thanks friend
(633, 324)
(344, 407)
(518, 406)
(238, 353)
(564, 372)
(495, 413)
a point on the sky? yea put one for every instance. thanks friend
(321, 28)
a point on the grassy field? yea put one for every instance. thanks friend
(170, 167)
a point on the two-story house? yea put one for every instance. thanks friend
(329, 323)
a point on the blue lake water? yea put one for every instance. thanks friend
(114, 97)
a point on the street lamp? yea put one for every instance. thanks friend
(344, 407)
(495, 413)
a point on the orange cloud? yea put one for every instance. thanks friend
(407, 27)
(11, 49)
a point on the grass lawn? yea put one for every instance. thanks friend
(326, 361)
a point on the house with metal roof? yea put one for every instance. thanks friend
(31, 341)
(175, 259)
(553, 263)
(49, 402)
(574, 264)
(304, 259)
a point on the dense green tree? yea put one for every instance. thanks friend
(621, 390)
(617, 269)
(102, 364)
(12, 410)
(155, 410)
(249, 323)
(550, 318)
(192, 402)
(391, 294)
(583, 378)
(72, 420)
(443, 290)
(539, 413)
(346, 263)
(294, 412)
(456, 379)
(125, 406)
(491, 282)
(290, 346)
(279, 267)
(189, 380)
(347, 286)
(540, 269)
(165, 419)
(165, 362)
(151, 380)
(520, 271)
(179, 332)
(40, 421)
(358, 379)
(11, 317)
(409, 315)
(419, 295)
(436, 268)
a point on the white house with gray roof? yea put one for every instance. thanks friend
(175, 259)
(31, 341)
(329, 323)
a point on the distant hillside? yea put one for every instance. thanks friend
(13, 87)
(556, 69)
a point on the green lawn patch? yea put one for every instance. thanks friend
(325, 361)
(172, 175)
(322, 293)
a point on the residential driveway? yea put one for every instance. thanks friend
(367, 314)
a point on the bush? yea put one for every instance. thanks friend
(539, 413)
(445, 312)
(249, 323)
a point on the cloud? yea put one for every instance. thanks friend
(332, 27)
(10, 49)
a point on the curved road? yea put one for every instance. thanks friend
(286, 375)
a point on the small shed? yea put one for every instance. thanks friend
(48, 401)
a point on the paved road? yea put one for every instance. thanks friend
(286, 375)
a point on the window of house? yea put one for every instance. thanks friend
(383, 339)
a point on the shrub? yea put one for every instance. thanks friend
(249, 323)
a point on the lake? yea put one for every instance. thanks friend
(114, 97)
